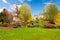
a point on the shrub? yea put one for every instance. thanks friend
(22, 22)
(16, 24)
(5, 24)
(48, 25)
(34, 24)
(57, 26)
(29, 25)
(0, 23)
(13, 21)
(41, 23)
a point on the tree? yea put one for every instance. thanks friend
(15, 10)
(57, 19)
(50, 12)
(7, 17)
(1, 17)
(25, 13)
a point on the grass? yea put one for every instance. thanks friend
(30, 34)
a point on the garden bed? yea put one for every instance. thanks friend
(8, 28)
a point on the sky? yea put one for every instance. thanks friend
(37, 6)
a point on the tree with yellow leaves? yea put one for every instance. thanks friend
(57, 18)
(25, 13)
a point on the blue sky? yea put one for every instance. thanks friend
(37, 6)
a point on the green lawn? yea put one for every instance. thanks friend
(30, 34)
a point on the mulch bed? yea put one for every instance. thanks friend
(8, 28)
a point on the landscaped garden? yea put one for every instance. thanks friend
(49, 18)
(21, 25)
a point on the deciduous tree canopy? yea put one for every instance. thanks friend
(50, 12)
(25, 13)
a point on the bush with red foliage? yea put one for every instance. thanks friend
(48, 25)
(5, 24)
(14, 21)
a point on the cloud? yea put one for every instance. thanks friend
(22, 1)
(1, 10)
(14, 6)
(5, 1)
(47, 3)
(19, 6)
